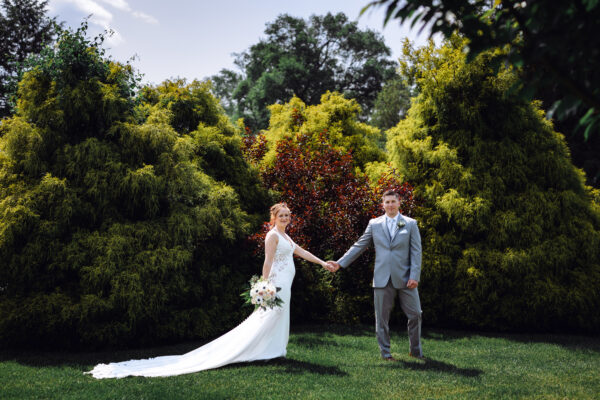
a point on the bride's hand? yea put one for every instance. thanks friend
(326, 266)
(333, 266)
(329, 266)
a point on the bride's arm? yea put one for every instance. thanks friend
(270, 247)
(300, 252)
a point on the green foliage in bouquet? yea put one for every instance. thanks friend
(118, 211)
(511, 235)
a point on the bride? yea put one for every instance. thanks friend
(262, 336)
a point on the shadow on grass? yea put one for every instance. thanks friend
(439, 366)
(313, 336)
(334, 329)
(302, 336)
(571, 342)
(291, 366)
(310, 341)
(69, 359)
(83, 360)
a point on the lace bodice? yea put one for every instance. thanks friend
(283, 261)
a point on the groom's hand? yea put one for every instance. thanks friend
(412, 284)
(334, 266)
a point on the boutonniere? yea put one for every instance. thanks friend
(400, 224)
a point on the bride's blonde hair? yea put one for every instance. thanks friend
(275, 209)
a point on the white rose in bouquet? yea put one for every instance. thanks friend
(262, 294)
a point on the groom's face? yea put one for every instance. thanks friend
(391, 205)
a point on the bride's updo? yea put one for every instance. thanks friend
(275, 209)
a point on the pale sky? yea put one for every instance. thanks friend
(196, 39)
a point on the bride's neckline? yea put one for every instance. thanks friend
(284, 236)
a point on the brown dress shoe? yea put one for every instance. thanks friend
(390, 358)
(419, 357)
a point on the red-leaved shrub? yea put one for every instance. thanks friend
(331, 205)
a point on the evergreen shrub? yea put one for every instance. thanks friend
(121, 214)
(511, 235)
(336, 118)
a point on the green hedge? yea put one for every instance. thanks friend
(511, 235)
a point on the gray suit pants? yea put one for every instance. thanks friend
(411, 305)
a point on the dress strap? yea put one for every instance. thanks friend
(286, 239)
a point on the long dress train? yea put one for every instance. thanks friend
(263, 335)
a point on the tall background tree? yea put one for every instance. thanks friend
(24, 30)
(555, 46)
(511, 232)
(305, 58)
(392, 103)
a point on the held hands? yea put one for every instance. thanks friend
(332, 266)
(328, 266)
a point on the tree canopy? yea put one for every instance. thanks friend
(392, 103)
(305, 58)
(24, 30)
(556, 44)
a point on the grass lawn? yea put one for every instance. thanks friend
(334, 362)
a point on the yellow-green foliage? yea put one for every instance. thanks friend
(335, 115)
(511, 235)
(117, 221)
(213, 140)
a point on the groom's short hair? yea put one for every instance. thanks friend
(391, 192)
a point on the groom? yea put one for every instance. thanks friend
(397, 271)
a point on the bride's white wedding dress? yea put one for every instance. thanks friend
(263, 335)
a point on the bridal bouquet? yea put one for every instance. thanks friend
(262, 293)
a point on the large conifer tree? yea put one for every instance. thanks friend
(510, 232)
(117, 213)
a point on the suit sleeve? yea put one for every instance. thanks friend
(357, 248)
(415, 252)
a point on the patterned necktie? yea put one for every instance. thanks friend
(391, 227)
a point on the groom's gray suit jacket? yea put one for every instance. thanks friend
(398, 257)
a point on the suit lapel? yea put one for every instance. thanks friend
(398, 229)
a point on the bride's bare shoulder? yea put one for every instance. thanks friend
(272, 236)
